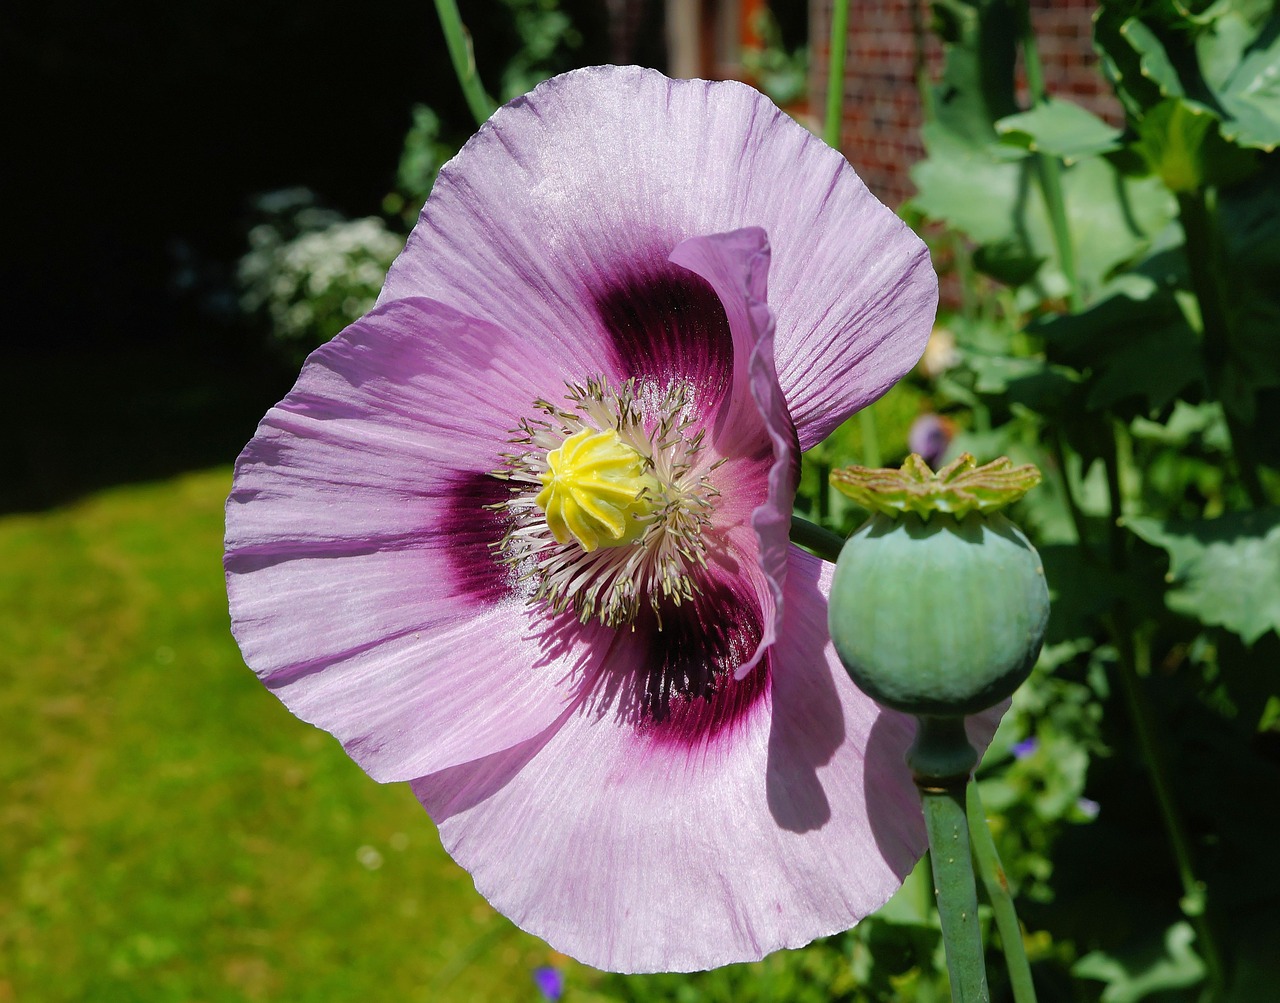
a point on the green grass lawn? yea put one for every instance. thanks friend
(167, 830)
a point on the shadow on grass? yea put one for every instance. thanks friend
(85, 419)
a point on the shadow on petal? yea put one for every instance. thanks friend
(893, 804)
(808, 723)
(458, 789)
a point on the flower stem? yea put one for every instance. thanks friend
(458, 39)
(870, 438)
(940, 761)
(997, 885)
(1049, 169)
(813, 537)
(835, 73)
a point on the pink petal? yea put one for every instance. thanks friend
(597, 175)
(362, 586)
(788, 821)
(737, 267)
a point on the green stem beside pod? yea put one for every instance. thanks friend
(940, 761)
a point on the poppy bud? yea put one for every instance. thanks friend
(939, 603)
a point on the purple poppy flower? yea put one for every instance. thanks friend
(520, 534)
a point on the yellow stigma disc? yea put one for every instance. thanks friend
(596, 489)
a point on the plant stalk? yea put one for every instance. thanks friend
(871, 456)
(1135, 658)
(835, 73)
(997, 885)
(940, 761)
(1049, 169)
(813, 537)
(458, 39)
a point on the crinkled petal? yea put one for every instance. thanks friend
(662, 847)
(570, 193)
(363, 589)
(737, 267)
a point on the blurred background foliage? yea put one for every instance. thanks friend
(227, 186)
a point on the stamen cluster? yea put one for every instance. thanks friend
(659, 565)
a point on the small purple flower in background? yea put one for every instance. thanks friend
(1088, 807)
(520, 534)
(1026, 747)
(930, 436)
(550, 983)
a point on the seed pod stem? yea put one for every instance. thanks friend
(940, 760)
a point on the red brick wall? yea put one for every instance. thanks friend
(880, 132)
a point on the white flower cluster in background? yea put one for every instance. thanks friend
(312, 271)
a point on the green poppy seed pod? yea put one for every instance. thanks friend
(939, 603)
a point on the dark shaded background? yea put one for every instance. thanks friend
(139, 133)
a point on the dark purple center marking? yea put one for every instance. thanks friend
(667, 324)
(687, 691)
(473, 526)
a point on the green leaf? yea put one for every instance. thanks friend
(1010, 261)
(1239, 56)
(1112, 219)
(1051, 391)
(1133, 59)
(1156, 364)
(973, 188)
(1135, 975)
(1081, 592)
(1226, 29)
(1059, 129)
(997, 202)
(1181, 143)
(1135, 344)
(1224, 572)
(1201, 426)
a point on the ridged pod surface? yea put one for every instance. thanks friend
(938, 616)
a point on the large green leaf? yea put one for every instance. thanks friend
(1224, 572)
(1134, 344)
(1181, 143)
(997, 201)
(1239, 56)
(1112, 219)
(1224, 32)
(1060, 129)
(1156, 363)
(976, 189)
